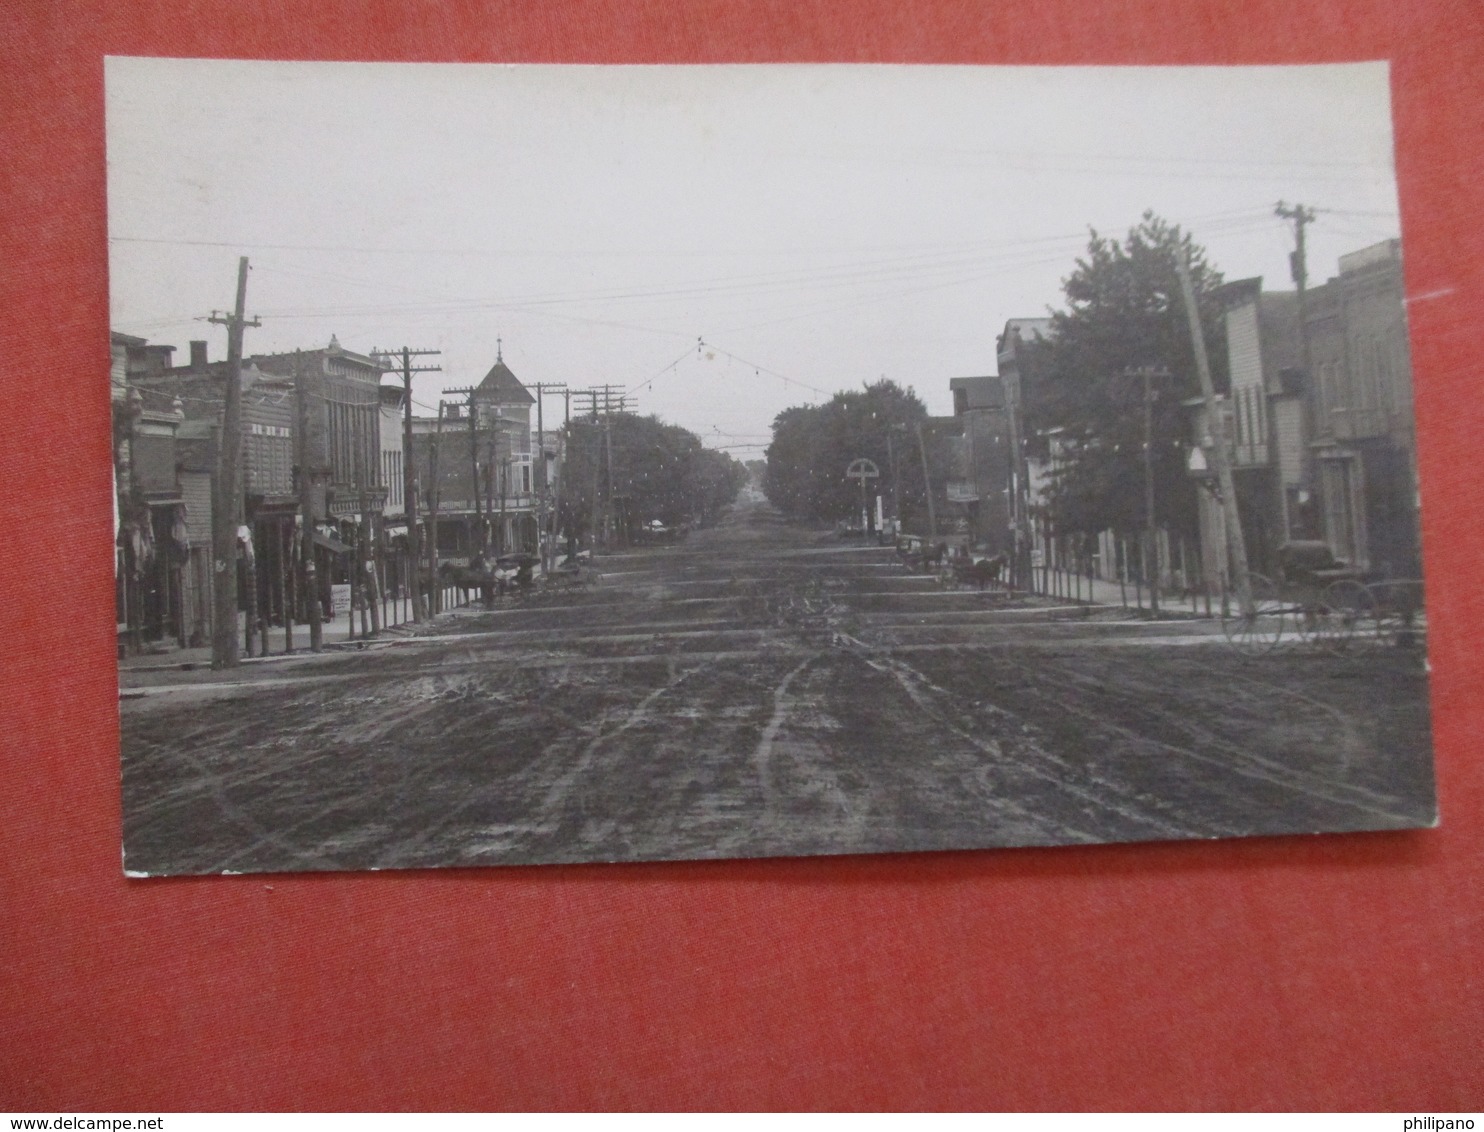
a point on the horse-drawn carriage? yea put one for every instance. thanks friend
(1325, 601)
(573, 570)
(954, 565)
(981, 572)
(917, 554)
(515, 573)
(492, 578)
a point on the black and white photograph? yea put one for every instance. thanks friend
(532, 464)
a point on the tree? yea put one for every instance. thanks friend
(642, 470)
(814, 444)
(1124, 311)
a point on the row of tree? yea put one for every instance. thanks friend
(813, 445)
(1124, 312)
(624, 472)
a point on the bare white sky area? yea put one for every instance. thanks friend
(818, 226)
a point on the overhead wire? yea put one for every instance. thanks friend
(963, 257)
(961, 254)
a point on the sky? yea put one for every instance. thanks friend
(722, 242)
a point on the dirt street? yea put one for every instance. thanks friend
(762, 690)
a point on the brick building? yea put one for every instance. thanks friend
(157, 570)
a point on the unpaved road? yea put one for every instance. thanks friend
(761, 691)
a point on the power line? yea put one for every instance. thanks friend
(965, 256)
(759, 368)
(649, 381)
(962, 256)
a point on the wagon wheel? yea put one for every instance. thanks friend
(1401, 618)
(1260, 632)
(1352, 621)
(1311, 617)
(1319, 621)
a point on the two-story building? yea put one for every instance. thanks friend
(1363, 439)
(984, 462)
(158, 573)
(1018, 374)
(340, 453)
(1327, 452)
(397, 570)
(484, 488)
(1262, 420)
(267, 504)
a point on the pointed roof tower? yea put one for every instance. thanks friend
(502, 387)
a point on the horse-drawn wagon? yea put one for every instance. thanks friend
(1327, 602)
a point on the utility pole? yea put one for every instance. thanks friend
(227, 506)
(1299, 269)
(468, 394)
(1231, 520)
(611, 397)
(1298, 264)
(891, 463)
(474, 470)
(409, 468)
(435, 591)
(541, 485)
(562, 477)
(491, 458)
(1151, 530)
(927, 483)
(597, 480)
(366, 473)
(306, 508)
(610, 533)
(504, 489)
(602, 402)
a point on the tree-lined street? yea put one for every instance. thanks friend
(762, 689)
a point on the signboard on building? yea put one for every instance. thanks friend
(340, 599)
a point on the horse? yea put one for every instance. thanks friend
(478, 575)
(981, 573)
(928, 559)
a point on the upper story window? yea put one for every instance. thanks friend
(1329, 387)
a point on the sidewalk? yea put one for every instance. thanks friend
(1098, 591)
(338, 632)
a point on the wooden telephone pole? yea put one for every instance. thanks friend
(227, 506)
(306, 507)
(474, 470)
(1298, 265)
(435, 591)
(467, 392)
(603, 401)
(1299, 269)
(1217, 424)
(409, 465)
(927, 484)
(542, 388)
(1151, 530)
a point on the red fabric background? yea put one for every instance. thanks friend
(1329, 972)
